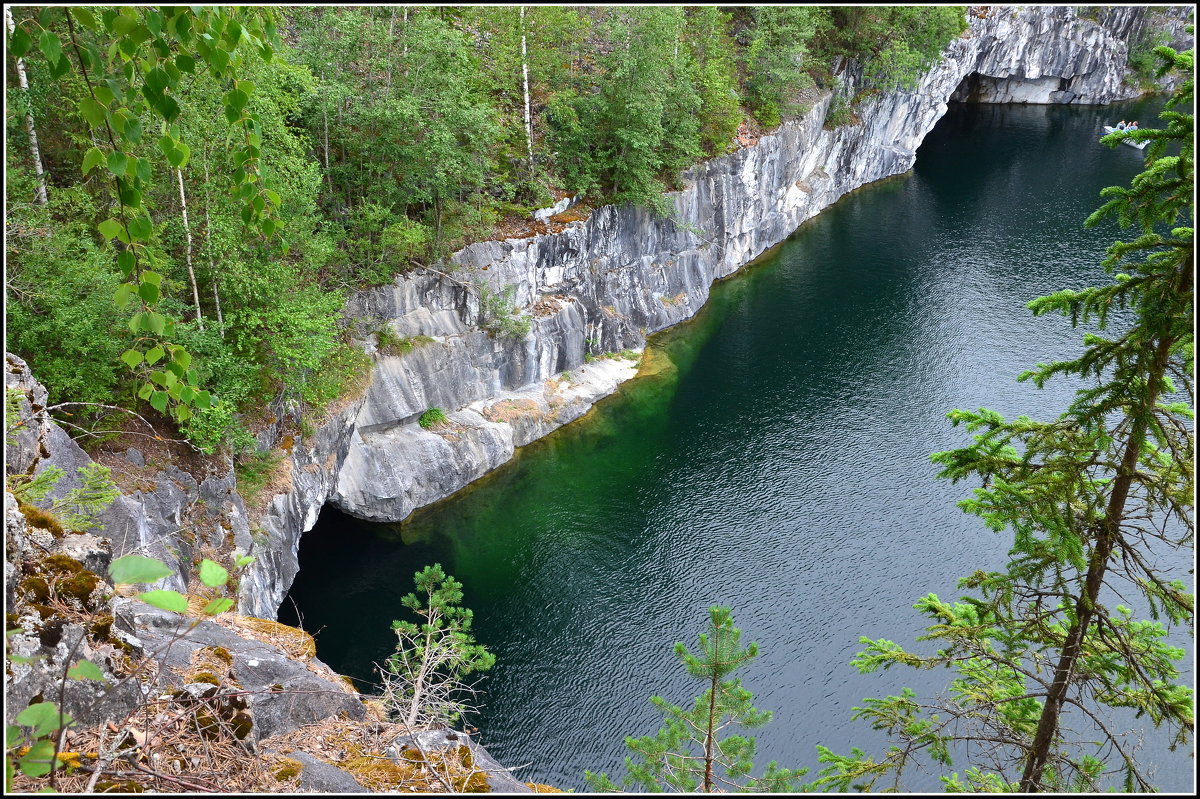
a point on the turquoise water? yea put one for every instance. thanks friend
(773, 456)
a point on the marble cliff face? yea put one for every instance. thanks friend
(602, 285)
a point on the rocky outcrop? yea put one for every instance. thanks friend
(40, 649)
(604, 284)
(317, 776)
(1050, 55)
(423, 466)
(171, 686)
(498, 778)
(65, 611)
(283, 690)
(311, 465)
(170, 516)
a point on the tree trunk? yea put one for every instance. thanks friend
(422, 673)
(710, 733)
(328, 178)
(187, 230)
(525, 75)
(29, 127)
(388, 54)
(419, 686)
(1085, 607)
(212, 266)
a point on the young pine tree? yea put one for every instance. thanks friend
(688, 754)
(424, 681)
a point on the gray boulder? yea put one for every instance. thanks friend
(285, 694)
(499, 779)
(321, 777)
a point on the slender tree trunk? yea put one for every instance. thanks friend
(405, 51)
(1085, 607)
(328, 178)
(710, 733)
(29, 127)
(212, 266)
(388, 54)
(422, 674)
(525, 75)
(187, 230)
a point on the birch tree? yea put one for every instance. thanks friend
(187, 231)
(212, 264)
(30, 129)
(525, 85)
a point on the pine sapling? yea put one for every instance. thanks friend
(688, 752)
(424, 681)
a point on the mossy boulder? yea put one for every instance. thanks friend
(283, 692)
(474, 771)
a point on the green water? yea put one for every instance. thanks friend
(773, 456)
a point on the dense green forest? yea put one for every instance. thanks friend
(229, 175)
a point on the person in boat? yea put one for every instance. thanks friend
(1121, 125)
(1132, 125)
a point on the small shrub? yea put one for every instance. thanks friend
(78, 509)
(254, 472)
(499, 317)
(768, 116)
(839, 113)
(392, 344)
(260, 536)
(345, 372)
(1142, 61)
(217, 427)
(406, 239)
(434, 417)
